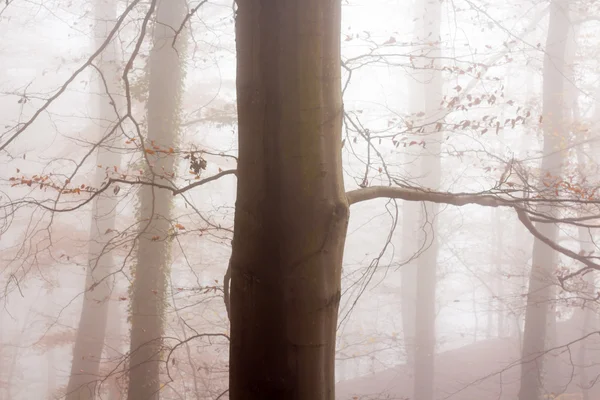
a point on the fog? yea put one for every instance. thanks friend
(467, 159)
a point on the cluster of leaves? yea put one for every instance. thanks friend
(568, 187)
(196, 164)
(47, 181)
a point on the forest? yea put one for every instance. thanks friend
(299, 199)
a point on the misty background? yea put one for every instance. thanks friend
(485, 73)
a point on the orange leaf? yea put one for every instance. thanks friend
(179, 226)
(150, 151)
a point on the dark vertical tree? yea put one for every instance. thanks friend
(291, 211)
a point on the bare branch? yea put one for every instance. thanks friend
(538, 235)
(65, 85)
(205, 180)
(185, 20)
(110, 181)
(414, 194)
(482, 199)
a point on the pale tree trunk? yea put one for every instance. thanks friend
(89, 342)
(521, 238)
(584, 316)
(50, 361)
(427, 93)
(291, 211)
(556, 382)
(420, 255)
(408, 274)
(148, 299)
(11, 366)
(114, 347)
(51, 383)
(500, 273)
(542, 280)
(497, 309)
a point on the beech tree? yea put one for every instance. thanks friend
(89, 342)
(291, 210)
(149, 289)
(420, 219)
(541, 282)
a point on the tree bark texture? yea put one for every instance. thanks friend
(89, 342)
(291, 211)
(148, 299)
(542, 281)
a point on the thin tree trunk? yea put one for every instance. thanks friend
(114, 347)
(87, 351)
(520, 235)
(51, 367)
(542, 280)
(418, 219)
(583, 316)
(291, 212)
(50, 361)
(556, 382)
(500, 276)
(430, 86)
(149, 296)
(408, 275)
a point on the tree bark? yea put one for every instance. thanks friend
(541, 282)
(149, 297)
(89, 342)
(291, 211)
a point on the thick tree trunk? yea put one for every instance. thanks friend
(87, 351)
(149, 297)
(291, 211)
(426, 95)
(542, 281)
